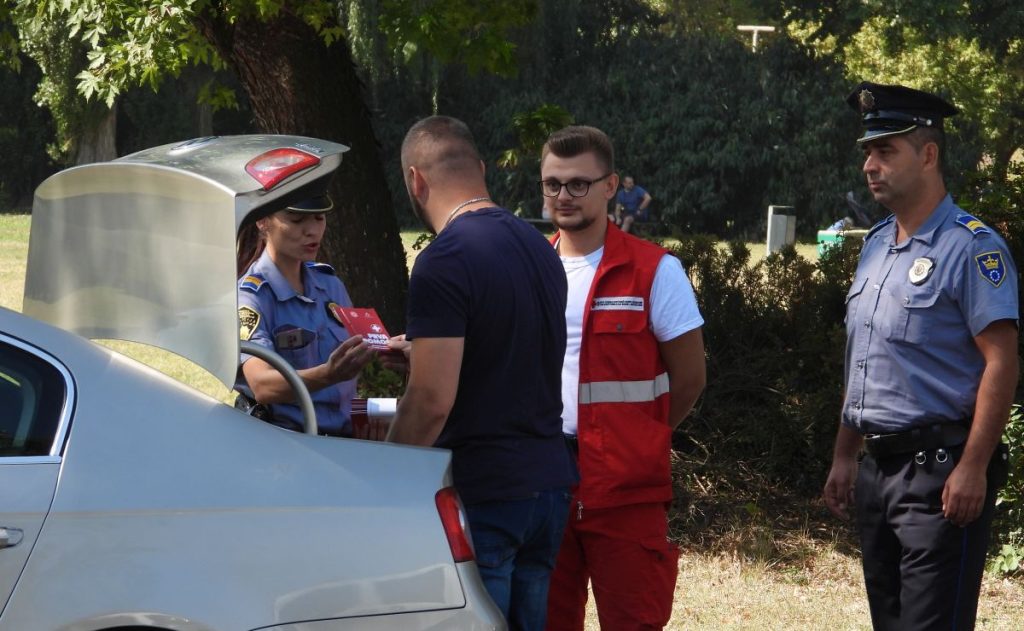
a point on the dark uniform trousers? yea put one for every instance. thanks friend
(921, 571)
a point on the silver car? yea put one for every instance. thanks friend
(128, 499)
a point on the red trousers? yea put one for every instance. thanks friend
(626, 555)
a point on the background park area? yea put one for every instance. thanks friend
(716, 125)
(754, 554)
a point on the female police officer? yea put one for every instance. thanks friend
(286, 303)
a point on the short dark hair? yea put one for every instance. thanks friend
(444, 141)
(924, 135)
(575, 140)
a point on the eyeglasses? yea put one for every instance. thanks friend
(575, 188)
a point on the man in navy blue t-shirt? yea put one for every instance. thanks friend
(487, 323)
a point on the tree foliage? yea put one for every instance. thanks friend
(9, 47)
(24, 132)
(466, 32)
(298, 77)
(715, 132)
(974, 77)
(972, 52)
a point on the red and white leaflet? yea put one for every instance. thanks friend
(363, 321)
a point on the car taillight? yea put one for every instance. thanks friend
(454, 521)
(274, 166)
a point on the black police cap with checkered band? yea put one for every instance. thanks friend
(891, 110)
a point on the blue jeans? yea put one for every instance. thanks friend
(516, 543)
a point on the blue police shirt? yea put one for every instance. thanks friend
(492, 279)
(911, 316)
(630, 200)
(300, 328)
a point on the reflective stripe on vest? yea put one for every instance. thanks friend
(624, 391)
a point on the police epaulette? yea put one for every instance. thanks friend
(973, 224)
(252, 282)
(878, 226)
(323, 268)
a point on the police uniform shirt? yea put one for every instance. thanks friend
(300, 328)
(911, 316)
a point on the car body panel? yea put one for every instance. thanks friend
(152, 241)
(170, 502)
(26, 489)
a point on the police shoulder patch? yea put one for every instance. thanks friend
(252, 282)
(248, 320)
(878, 226)
(991, 266)
(323, 268)
(972, 223)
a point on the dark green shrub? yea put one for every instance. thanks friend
(775, 342)
(1008, 531)
(377, 381)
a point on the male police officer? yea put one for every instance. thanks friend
(931, 368)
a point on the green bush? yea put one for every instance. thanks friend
(775, 342)
(1008, 539)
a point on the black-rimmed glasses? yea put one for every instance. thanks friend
(575, 188)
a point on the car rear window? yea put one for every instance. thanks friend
(32, 393)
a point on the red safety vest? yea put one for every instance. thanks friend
(623, 431)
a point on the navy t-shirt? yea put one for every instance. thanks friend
(492, 279)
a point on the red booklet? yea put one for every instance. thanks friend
(362, 321)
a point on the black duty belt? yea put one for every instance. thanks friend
(915, 440)
(263, 412)
(573, 443)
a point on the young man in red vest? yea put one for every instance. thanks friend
(634, 366)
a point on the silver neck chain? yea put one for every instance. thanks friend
(455, 210)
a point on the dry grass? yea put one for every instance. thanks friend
(752, 558)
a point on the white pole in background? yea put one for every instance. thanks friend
(755, 30)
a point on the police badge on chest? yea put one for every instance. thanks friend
(921, 270)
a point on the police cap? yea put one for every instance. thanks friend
(317, 204)
(891, 110)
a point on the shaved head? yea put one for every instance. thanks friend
(442, 148)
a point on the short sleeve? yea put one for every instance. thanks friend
(438, 293)
(988, 284)
(253, 324)
(674, 308)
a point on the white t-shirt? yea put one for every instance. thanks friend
(673, 312)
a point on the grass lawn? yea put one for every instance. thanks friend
(752, 576)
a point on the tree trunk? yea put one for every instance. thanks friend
(97, 143)
(298, 85)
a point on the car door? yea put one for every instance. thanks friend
(35, 396)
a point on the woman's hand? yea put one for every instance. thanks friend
(348, 359)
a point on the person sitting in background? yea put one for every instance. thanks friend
(631, 204)
(843, 224)
(284, 304)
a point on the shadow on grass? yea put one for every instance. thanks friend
(726, 506)
(17, 210)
